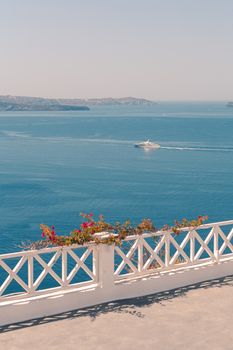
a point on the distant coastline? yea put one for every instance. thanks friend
(230, 104)
(24, 103)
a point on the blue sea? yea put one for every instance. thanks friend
(54, 165)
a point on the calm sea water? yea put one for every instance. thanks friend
(55, 165)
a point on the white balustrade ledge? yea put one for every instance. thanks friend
(49, 281)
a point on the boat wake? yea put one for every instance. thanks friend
(200, 149)
(14, 134)
(128, 143)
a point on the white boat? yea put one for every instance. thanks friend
(147, 144)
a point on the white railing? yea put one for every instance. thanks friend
(40, 271)
(34, 273)
(164, 251)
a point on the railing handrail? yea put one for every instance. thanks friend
(44, 250)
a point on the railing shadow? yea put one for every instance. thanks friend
(129, 306)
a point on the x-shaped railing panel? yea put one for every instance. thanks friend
(126, 258)
(154, 253)
(204, 244)
(226, 241)
(13, 275)
(180, 249)
(47, 269)
(80, 263)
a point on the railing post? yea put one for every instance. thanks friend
(96, 263)
(140, 254)
(106, 266)
(192, 246)
(64, 266)
(30, 272)
(216, 250)
(167, 249)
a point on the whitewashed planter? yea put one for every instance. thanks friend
(203, 254)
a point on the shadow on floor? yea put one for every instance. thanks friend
(131, 306)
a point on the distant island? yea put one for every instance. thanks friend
(24, 103)
(21, 103)
(230, 104)
(110, 101)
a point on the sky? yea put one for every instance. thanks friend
(156, 49)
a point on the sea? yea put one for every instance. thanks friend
(54, 165)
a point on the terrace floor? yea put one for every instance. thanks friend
(194, 317)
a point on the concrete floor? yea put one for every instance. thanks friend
(194, 317)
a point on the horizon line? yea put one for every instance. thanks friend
(114, 97)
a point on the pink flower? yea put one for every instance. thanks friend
(91, 214)
(43, 235)
(53, 239)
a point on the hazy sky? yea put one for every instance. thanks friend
(157, 49)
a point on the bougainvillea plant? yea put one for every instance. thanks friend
(99, 231)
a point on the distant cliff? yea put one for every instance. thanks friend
(108, 101)
(17, 103)
(24, 103)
